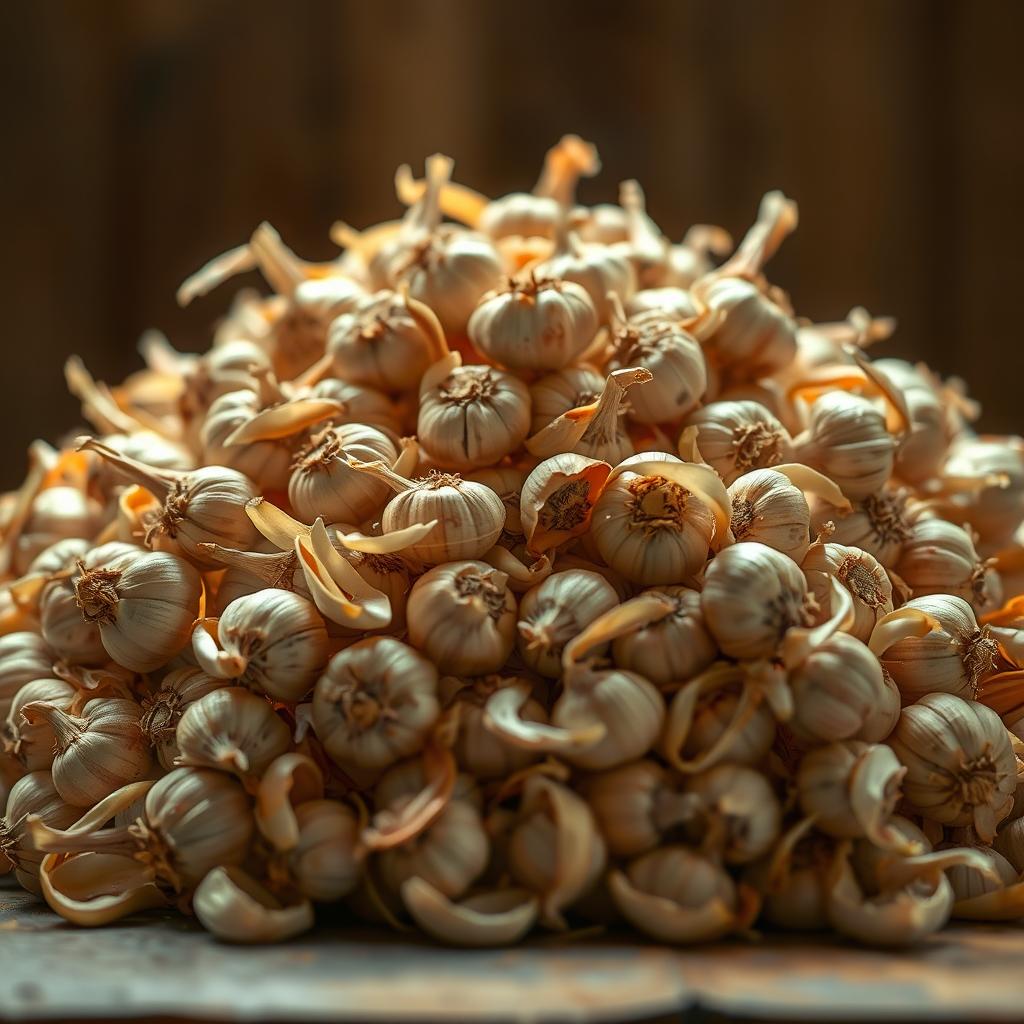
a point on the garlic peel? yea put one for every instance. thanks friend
(499, 918)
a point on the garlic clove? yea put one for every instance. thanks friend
(235, 907)
(500, 918)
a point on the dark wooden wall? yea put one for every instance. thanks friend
(142, 136)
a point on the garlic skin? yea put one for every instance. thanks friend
(673, 649)
(752, 596)
(953, 658)
(497, 918)
(863, 577)
(557, 499)
(375, 704)
(961, 768)
(34, 794)
(323, 484)
(232, 730)
(98, 751)
(462, 615)
(163, 709)
(739, 436)
(847, 440)
(534, 323)
(555, 394)
(33, 743)
(555, 611)
(24, 657)
(472, 416)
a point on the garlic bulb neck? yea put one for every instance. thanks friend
(67, 729)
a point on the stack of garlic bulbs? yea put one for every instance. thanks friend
(519, 569)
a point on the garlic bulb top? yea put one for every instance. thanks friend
(736, 437)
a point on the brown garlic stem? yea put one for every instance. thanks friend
(158, 482)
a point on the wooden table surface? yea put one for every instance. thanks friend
(162, 965)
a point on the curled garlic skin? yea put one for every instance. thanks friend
(519, 568)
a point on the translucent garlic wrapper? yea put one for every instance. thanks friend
(737, 437)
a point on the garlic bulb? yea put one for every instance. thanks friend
(847, 439)
(793, 881)
(375, 704)
(673, 649)
(360, 403)
(325, 861)
(24, 657)
(934, 644)
(57, 513)
(752, 597)
(462, 615)
(555, 611)
(940, 558)
(33, 794)
(323, 483)
(273, 641)
(233, 730)
(737, 812)
(163, 709)
(471, 416)
(557, 393)
(961, 768)
(33, 742)
(657, 519)
(672, 302)
(737, 437)
(203, 505)
(986, 475)
(97, 751)
(868, 584)
(534, 323)
(878, 524)
(388, 342)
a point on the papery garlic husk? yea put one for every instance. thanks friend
(326, 862)
(860, 573)
(841, 692)
(492, 918)
(235, 907)
(961, 768)
(98, 750)
(478, 749)
(273, 641)
(557, 393)
(375, 704)
(557, 499)
(768, 506)
(986, 476)
(205, 505)
(677, 895)
(637, 805)
(388, 342)
(738, 816)
(534, 323)
(847, 439)
(555, 611)
(658, 519)
(948, 652)
(753, 595)
(33, 743)
(462, 615)
(324, 485)
(939, 557)
(24, 656)
(162, 710)
(554, 847)
(232, 730)
(739, 436)
(290, 780)
(851, 789)
(467, 517)
(878, 524)
(34, 794)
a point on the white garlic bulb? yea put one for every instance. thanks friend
(554, 394)
(24, 656)
(163, 709)
(738, 812)
(325, 861)
(739, 436)
(986, 476)
(863, 577)
(33, 742)
(32, 794)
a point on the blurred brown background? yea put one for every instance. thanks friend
(143, 136)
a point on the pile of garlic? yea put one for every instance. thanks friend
(519, 570)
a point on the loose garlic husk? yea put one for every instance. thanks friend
(534, 323)
(462, 615)
(657, 519)
(98, 750)
(33, 794)
(557, 499)
(273, 641)
(934, 644)
(866, 581)
(471, 416)
(555, 611)
(961, 768)
(737, 814)
(323, 483)
(232, 730)
(388, 342)
(163, 709)
(670, 650)
(24, 657)
(235, 907)
(33, 743)
(557, 393)
(496, 918)
(737, 437)
(752, 597)
(375, 704)
(847, 439)
(768, 505)
(940, 558)
(676, 895)
(841, 692)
